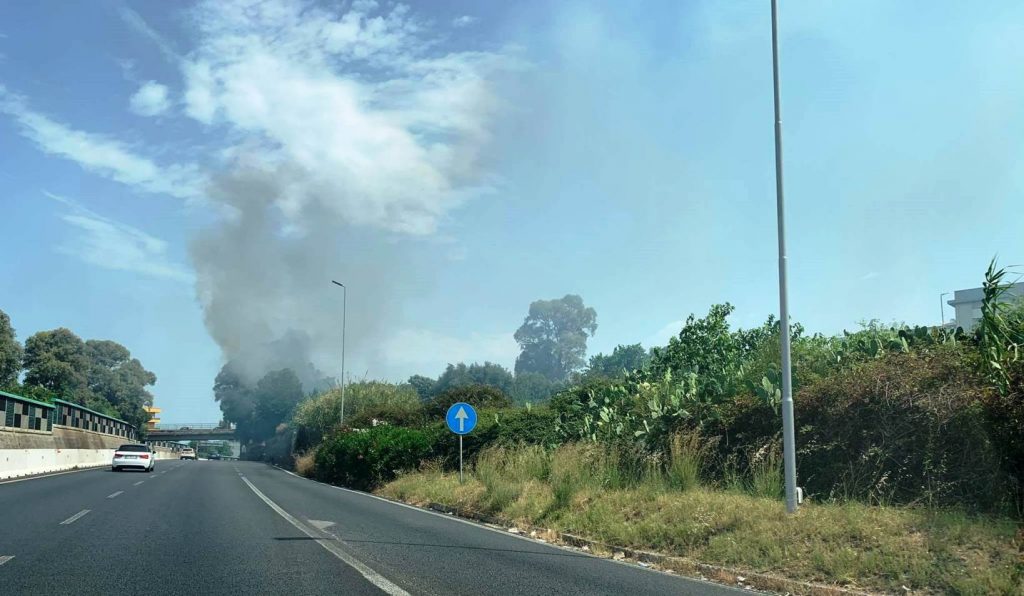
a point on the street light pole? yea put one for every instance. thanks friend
(942, 309)
(788, 434)
(344, 309)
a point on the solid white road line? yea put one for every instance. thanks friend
(372, 576)
(138, 483)
(74, 517)
(5, 558)
(120, 492)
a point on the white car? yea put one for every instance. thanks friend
(133, 456)
(188, 453)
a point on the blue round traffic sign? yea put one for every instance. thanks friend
(461, 418)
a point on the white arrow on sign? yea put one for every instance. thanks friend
(461, 417)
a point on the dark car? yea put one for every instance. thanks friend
(215, 456)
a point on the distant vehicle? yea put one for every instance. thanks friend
(214, 456)
(188, 453)
(133, 456)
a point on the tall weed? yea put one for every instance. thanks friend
(766, 472)
(686, 461)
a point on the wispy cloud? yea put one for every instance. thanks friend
(136, 22)
(869, 275)
(150, 100)
(101, 154)
(110, 244)
(352, 109)
(464, 21)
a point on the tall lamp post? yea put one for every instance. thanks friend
(942, 309)
(788, 435)
(344, 308)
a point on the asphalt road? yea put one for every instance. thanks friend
(219, 527)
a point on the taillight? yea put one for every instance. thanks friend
(118, 455)
(144, 456)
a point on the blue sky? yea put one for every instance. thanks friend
(186, 179)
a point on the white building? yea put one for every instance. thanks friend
(967, 304)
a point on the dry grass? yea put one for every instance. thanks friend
(305, 463)
(575, 490)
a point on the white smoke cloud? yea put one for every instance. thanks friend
(350, 132)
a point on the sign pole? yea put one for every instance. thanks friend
(461, 420)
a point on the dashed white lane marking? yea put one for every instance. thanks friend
(138, 483)
(75, 517)
(372, 576)
(120, 492)
(5, 558)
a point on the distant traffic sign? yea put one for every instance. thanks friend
(461, 418)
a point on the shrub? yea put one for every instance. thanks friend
(365, 459)
(478, 396)
(317, 416)
(906, 428)
(533, 426)
(396, 414)
(305, 464)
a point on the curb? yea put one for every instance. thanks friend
(723, 575)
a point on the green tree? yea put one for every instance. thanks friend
(275, 397)
(236, 400)
(553, 337)
(488, 373)
(530, 387)
(424, 386)
(118, 379)
(10, 353)
(58, 362)
(707, 349)
(622, 360)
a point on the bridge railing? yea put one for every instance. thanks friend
(194, 426)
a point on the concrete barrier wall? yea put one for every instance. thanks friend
(38, 437)
(24, 452)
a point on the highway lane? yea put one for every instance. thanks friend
(190, 528)
(246, 528)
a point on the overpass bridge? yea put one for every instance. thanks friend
(195, 431)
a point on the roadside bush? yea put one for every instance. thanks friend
(533, 426)
(365, 459)
(907, 428)
(408, 414)
(444, 444)
(305, 464)
(318, 416)
(504, 427)
(479, 396)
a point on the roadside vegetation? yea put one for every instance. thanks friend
(99, 374)
(623, 500)
(910, 445)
